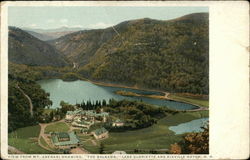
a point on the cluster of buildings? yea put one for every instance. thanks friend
(82, 119)
(85, 118)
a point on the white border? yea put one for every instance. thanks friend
(228, 72)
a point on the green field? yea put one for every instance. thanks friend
(91, 148)
(195, 101)
(57, 127)
(44, 143)
(26, 132)
(157, 136)
(26, 140)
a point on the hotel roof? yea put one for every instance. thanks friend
(73, 139)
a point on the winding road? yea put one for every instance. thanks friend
(30, 102)
(44, 136)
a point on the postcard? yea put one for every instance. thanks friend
(124, 80)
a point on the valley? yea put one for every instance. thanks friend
(121, 88)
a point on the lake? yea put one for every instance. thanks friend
(77, 91)
(192, 126)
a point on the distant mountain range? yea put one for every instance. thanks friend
(26, 49)
(169, 55)
(49, 34)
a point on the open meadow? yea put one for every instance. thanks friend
(26, 140)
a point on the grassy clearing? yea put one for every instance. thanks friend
(84, 137)
(197, 101)
(26, 132)
(157, 136)
(27, 146)
(43, 142)
(184, 117)
(91, 148)
(57, 127)
(25, 139)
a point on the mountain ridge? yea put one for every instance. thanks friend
(170, 55)
(126, 52)
(27, 49)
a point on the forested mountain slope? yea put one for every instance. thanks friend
(169, 55)
(80, 46)
(21, 84)
(23, 48)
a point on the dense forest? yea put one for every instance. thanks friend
(167, 55)
(22, 84)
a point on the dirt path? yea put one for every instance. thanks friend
(14, 150)
(30, 102)
(44, 125)
(94, 143)
(44, 136)
(79, 150)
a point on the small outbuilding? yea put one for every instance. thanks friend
(100, 133)
(118, 123)
(84, 131)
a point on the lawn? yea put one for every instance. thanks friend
(27, 146)
(195, 101)
(157, 136)
(44, 143)
(25, 139)
(84, 137)
(57, 127)
(94, 149)
(26, 132)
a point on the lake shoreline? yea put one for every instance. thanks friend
(120, 85)
(166, 94)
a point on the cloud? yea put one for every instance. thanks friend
(64, 25)
(50, 21)
(64, 20)
(77, 26)
(100, 25)
(33, 25)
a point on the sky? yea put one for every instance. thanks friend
(90, 17)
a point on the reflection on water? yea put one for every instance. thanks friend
(77, 91)
(192, 126)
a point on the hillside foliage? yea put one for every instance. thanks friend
(166, 55)
(18, 105)
(26, 49)
(193, 143)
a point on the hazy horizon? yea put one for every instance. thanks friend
(90, 17)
